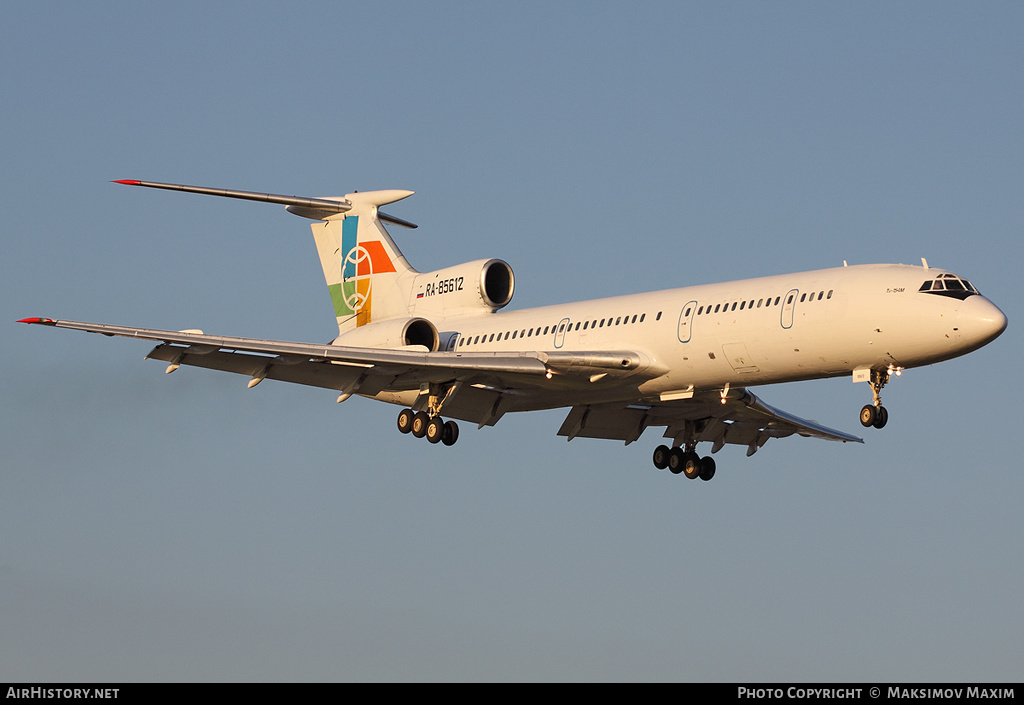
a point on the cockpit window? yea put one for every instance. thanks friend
(949, 285)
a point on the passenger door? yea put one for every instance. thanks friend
(686, 321)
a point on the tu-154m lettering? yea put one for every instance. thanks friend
(442, 346)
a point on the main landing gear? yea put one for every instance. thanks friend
(434, 429)
(875, 414)
(686, 462)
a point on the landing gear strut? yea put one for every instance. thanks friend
(686, 462)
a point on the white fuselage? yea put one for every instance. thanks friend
(808, 325)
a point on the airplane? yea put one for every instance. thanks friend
(680, 359)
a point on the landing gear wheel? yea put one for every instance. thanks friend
(450, 434)
(405, 417)
(881, 417)
(707, 468)
(661, 454)
(435, 429)
(419, 424)
(676, 458)
(868, 415)
(691, 465)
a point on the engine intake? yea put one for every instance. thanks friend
(393, 334)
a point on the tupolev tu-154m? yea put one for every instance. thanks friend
(681, 359)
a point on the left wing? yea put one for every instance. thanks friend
(488, 381)
(741, 419)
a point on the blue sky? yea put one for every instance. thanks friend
(185, 528)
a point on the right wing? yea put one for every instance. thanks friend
(742, 419)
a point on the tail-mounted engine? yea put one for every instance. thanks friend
(394, 333)
(483, 285)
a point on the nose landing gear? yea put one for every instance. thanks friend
(875, 414)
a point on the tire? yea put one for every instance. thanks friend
(881, 417)
(691, 466)
(661, 454)
(868, 415)
(707, 468)
(451, 433)
(419, 424)
(675, 461)
(405, 417)
(435, 429)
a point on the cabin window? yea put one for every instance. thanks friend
(743, 305)
(529, 333)
(803, 297)
(717, 306)
(659, 316)
(491, 339)
(820, 294)
(642, 316)
(585, 324)
(634, 319)
(829, 293)
(759, 302)
(700, 310)
(733, 306)
(618, 320)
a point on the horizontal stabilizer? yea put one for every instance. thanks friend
(312, 208)
(320, 204)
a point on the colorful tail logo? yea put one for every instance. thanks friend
(354, 295)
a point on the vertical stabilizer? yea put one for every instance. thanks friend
(368, 277)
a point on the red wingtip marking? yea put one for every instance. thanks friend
(44, 321)
(130, 182)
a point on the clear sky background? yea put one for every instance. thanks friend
(182, 527)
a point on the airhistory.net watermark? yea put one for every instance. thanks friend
(62, 693)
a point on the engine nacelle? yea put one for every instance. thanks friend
(393, 334)
(483, 285)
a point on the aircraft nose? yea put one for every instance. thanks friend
(980, 321)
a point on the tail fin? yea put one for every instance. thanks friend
(367, 275)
